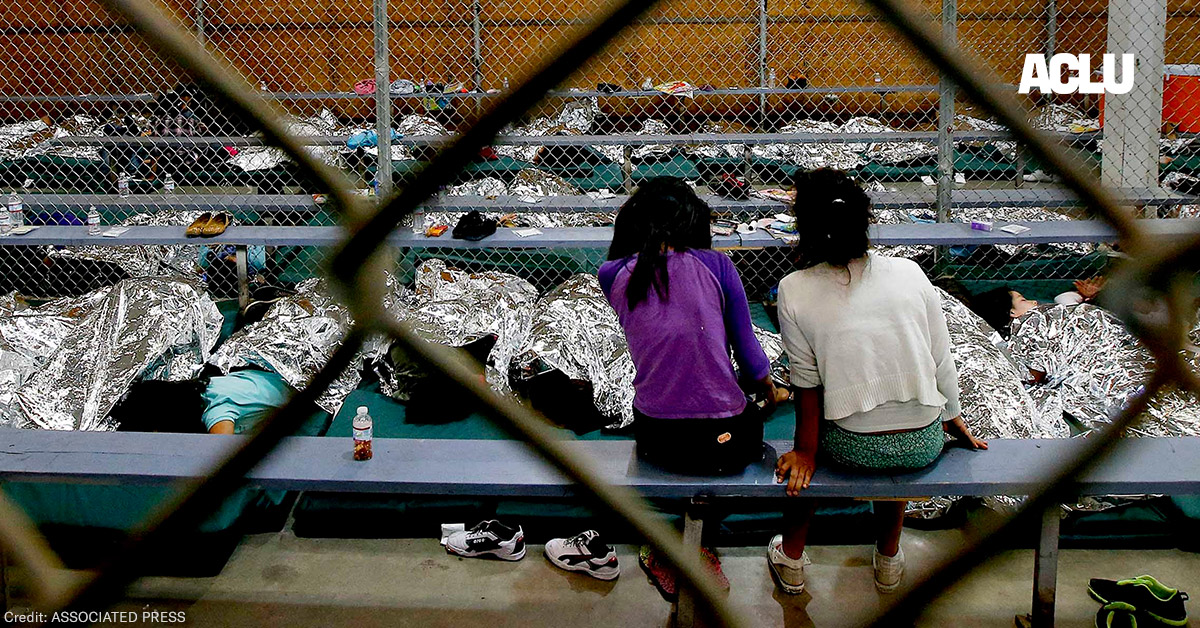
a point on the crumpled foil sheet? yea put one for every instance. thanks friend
(713, 151)
(486, 187)
(1062, 118)
(533, 182)
(888, 152)
(19, 137)
(650, 152)
(772, 344)
(528, 183)
(28, 339)
(150, 328)
(325, 124)
(417, 124)
(535, 128)
(839, 155)
(994, 401)
(30, 139)
(1097, 365)
(576, 331)
(179, 261)
(295, 338)
(454, 307)
(578, 115)
(964, 122)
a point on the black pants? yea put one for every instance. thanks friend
(701, 446)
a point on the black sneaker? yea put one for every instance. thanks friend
(488, 538)
(584, 552)
(1144, 593)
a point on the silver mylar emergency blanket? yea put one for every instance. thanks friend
(576, 331)
(146, 328)
(455, 307)
(994, 401)
(295, 338)
(1097, 365)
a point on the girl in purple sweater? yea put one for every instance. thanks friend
(683, 308)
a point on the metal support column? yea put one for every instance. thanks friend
(945, 182)
(476, 47)
(627, 169)
(1045, 569)
(1051, 27)
(383, 101)
(693, 529)
(241, 259)
(200, 36)
(762, 61)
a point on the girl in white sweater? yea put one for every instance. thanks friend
(874, 380)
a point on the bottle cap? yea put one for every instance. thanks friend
(362, 409)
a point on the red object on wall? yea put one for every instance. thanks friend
(1181, 98)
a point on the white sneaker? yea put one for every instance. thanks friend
(788, 571)
(889, 570)
(488, 538)
(585, 552)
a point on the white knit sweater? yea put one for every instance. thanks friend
(871, 335)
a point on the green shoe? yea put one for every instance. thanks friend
(1145, 594)
(1117, 615)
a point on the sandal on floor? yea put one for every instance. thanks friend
(196, 229)
(217, 225)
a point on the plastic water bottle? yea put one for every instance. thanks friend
(506, 83)
(771, 78)
(16, 211)
(418, 221)
(5, 226)
(878, 78)
(169, 184)
(362, 434)
(123, 185)
(93, 221)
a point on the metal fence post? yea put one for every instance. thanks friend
(762, 61)
(945, 182)
(383, 101)
(200, 36)
(1051, 27)
(476, 46)
(1045, 568)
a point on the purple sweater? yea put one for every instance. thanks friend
(680, 347)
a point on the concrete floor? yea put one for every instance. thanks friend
(281, 580)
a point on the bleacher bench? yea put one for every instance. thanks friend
(488, 468)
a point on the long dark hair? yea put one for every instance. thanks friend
(663, 212)
(832, 216)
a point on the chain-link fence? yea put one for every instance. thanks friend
(749, 89)
(720, 94)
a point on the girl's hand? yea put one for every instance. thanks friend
(958, 429)
(771, 396)
(796, 468)
(1089, 288)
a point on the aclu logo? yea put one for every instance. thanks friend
(1068, 74)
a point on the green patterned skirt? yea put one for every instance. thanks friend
(903, 451)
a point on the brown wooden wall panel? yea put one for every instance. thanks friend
(1003, 44)
(285, 60)
(81, 63)
(440, 54)
(273, 12)
(846, 53)
(824, 9)
(1183, 40)
(57, 13)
